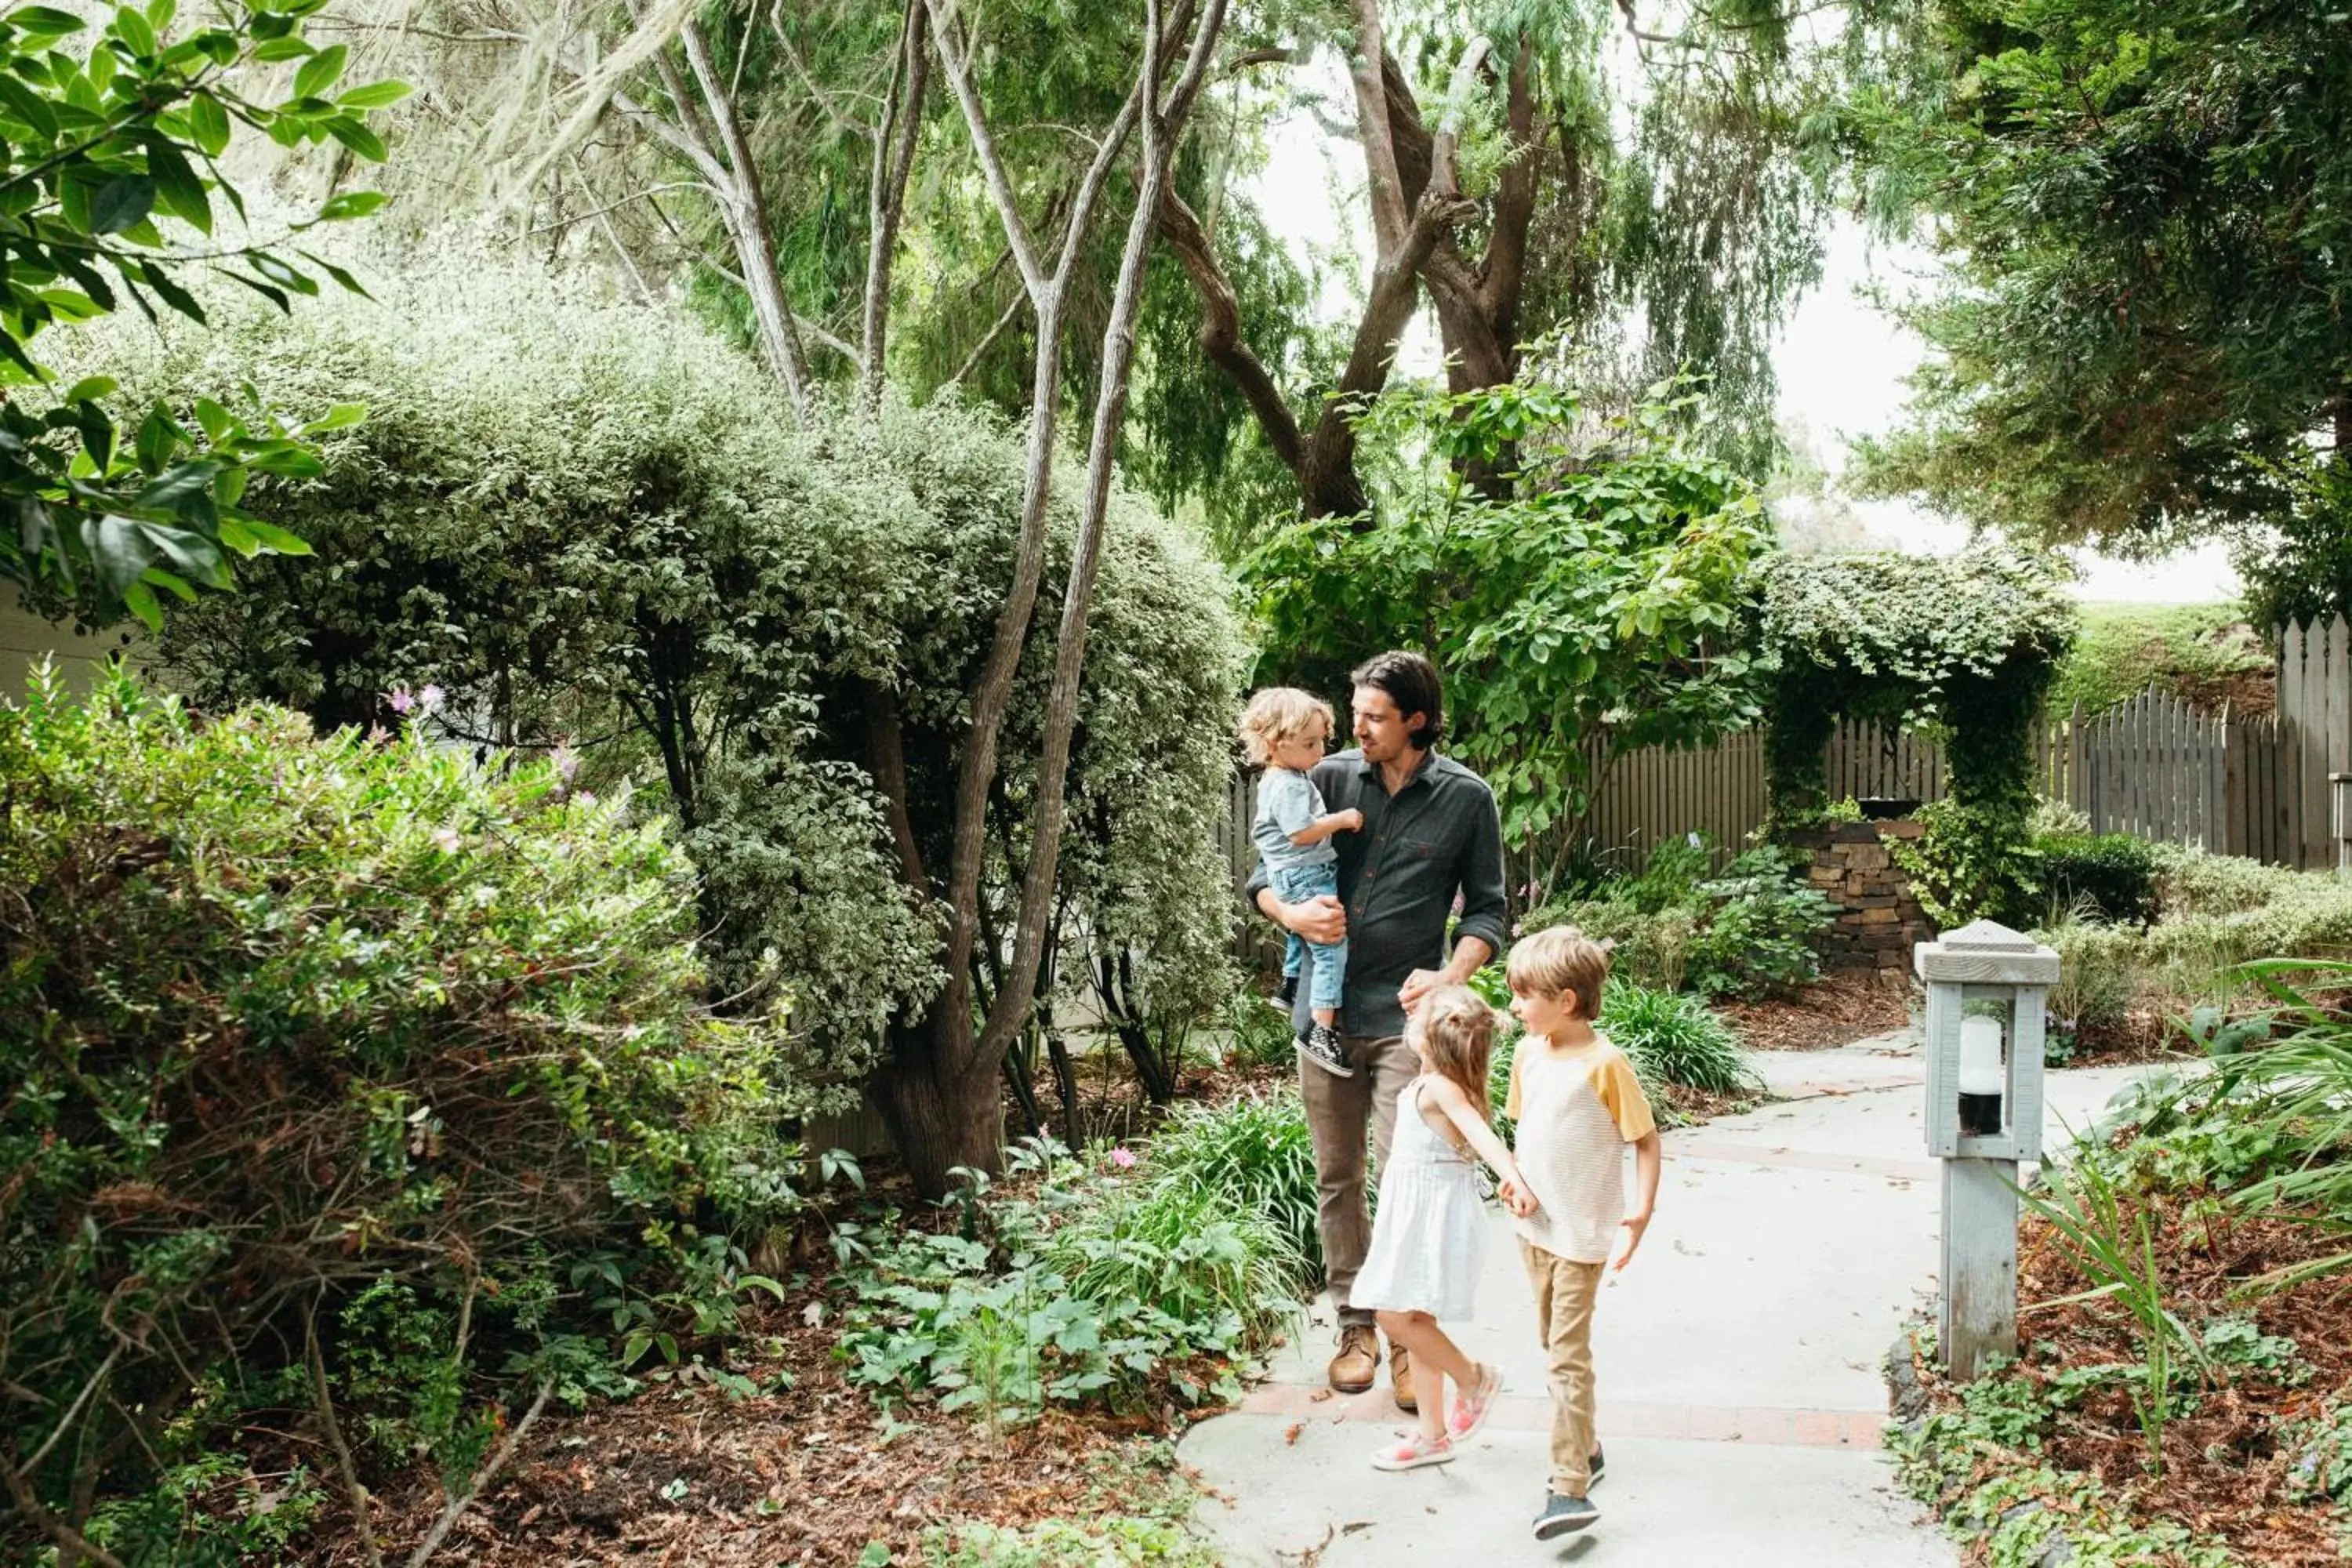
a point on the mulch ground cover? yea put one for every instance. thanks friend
(2226, 1462)
(1833, 1010)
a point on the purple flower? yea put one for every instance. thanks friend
(400, 700)
(586, 797)
(566, 761)
(430, 698)
(1122, 1159)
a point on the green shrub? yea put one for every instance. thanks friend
(2111, 874)
(1256, 1153)
(1189, 1252)
(1651, 949)
(1758, 931)
(593, 522)
(342, 1032)
(2220, 911)
(2193, 651)
(1749, 931)
(2099, 974)
(1674, 1039)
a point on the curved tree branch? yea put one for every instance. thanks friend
(1220, 331)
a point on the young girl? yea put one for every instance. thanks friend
(1423, 1262)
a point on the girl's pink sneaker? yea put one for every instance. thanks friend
(1412, 1453)
(1470, 1410)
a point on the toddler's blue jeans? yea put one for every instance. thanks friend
(1295, 884)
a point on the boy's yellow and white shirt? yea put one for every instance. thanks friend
(1577, 1108)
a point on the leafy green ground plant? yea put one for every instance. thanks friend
(1255, 1152)
(1074, 1285)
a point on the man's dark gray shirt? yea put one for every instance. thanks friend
(1398, 877)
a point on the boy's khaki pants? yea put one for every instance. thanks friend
(1565, 1291)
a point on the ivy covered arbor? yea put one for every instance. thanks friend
(1963, 647)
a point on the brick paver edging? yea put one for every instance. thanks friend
(1618, 1418)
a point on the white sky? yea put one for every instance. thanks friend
(1840, 363)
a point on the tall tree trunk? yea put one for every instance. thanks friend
(916, 1090)
(1413, 217)
(941, 1113)
(709, 133)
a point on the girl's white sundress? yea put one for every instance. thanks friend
(1431, 1226)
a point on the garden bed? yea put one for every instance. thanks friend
(2054, 1448)
(810, 1472)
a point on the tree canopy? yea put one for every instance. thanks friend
(2145, 210)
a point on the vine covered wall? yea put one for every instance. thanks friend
(1964, 646)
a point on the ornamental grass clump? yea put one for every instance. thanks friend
(1256, 1153)
(287, 1022)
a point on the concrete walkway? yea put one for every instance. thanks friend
(1741, 1399)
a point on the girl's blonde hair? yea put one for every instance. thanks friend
(1557, 961)
(1281, 713)
(1457, 1035)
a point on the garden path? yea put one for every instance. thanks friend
(1741, 1397)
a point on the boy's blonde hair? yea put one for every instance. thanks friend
(1281, 713)
(1557, 961)
(1457, 1034)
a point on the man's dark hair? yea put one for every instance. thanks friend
(1412, 685)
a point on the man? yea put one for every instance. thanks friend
(1429, 835)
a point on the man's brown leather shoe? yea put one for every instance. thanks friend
(1358, 1360)
(1401, 1378)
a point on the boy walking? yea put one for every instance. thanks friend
(1577, 1104)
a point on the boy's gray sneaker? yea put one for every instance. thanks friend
(1320, 1044)
(1285, 995)
(1564, 1516)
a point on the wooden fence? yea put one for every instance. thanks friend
(2153, 767)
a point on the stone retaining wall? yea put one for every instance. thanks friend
(1878, 920)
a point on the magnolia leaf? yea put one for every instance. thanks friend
(43, 21)
(208, 124)
(376, 95)
(119, 203)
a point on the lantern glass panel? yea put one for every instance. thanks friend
(1986, 1031)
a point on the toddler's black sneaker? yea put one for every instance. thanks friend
(1320, 1044)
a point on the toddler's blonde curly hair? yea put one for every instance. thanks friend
(1281, 713)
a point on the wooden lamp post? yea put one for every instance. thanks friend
(1985, 988)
